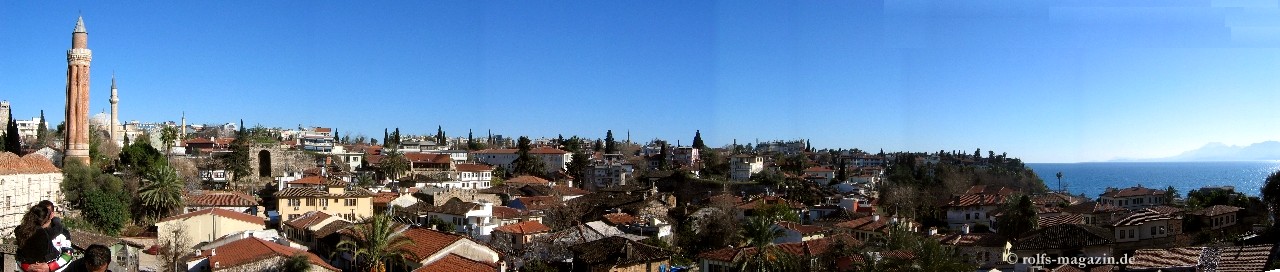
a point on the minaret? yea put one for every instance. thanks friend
(114, 110)
(182, 131)
(78, 58)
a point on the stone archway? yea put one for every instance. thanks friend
(264, 163)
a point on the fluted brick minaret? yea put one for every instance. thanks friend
(78, 58)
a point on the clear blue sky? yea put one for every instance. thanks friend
(1048, 81)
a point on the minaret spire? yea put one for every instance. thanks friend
(77, 109)
(80, 25)
(115, 116)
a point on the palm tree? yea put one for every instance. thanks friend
(168, 135)
(1059, 180)
(162, 191)
(759, 233)
(377, 243)
(297, 263)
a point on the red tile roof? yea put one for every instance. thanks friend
(981, 195)
(527, 179)
(868, 223)
(1049, 221)
(473, 167)
(455, 263)
(504, 212)
(383, 198)
(570, 191)
(1132, 191)
(1217, 210)
(1245, 258)
(11, 164)
(222, 199)
(308, 219)
(427, 242)
(324, 130)
(250, 250)
(537, 150)
(524, 228)
(1139, 217)
(769, 200)
(971, 239)
(1166, 258)
(819, 169)
(811, 248)
(219, 213)
(312, 180)
(427, 158)
(538, 203)
(619, 219)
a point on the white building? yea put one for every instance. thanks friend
(975, 205)
(741, 167)
(25, 181)
(474, 219)
(556, 160)
(473, 176)
(1134, 197)
(29, 128)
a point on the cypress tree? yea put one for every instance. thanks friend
(12, 142)
(697, 140)
(610, 146)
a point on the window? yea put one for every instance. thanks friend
(295, 202)
(1119, 234)
(325, 202)
(1162, 230)
(1131, 234)
(350, 202)
(1153, 231)
(966, 216)
(311, 202)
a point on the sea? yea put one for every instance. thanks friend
(1093, 178)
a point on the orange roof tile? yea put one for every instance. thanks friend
(524, 228)
(222, 199)
(454, 263)
(427, 158)
(427, 242)
(473, 167)
(217, 212)
(311, 180)
(250, 250)
(619, 218)
(527, 179)
(308, 219)
(802, 229)
(11, 164)
(504, 212)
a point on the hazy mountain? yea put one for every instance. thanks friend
(1269, 150)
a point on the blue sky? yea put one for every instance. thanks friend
(1048, 81)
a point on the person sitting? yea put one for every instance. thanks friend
(96, 259)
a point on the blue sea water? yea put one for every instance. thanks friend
(1093, 178)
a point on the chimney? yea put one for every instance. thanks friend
(964, 229)
(875, 217)
(933, 231)
(213, 252)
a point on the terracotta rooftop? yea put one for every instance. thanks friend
(819, 169)
(219, 213)
(313, 192)
(617, 251)
(527, 179)
(971, 239)
(1049, 221)
(1139, 217)
(619, 219)
(867, 223)
(981, 195)
(222, 199)
(769, 200)
(11, 164)
(383, 198)
(473, 167)
(427, 242)
(333, 227)
(1132, 192)
(811, 248)
(453, 206)
(311, 180)
(524, 228)
(249, 250)
(1245, 258)
(455, 263)
(307, 220)
(1092, 207)
(504, 212)
(1166, 258)
(427, 158)
(1217, 210)
(1068, 236)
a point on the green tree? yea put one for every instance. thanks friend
(237, 161)
(664, 163)
(1170, 194)
(471, 142)
(393, 164)
(377, 243)
(168, 136)
(610, 146)
(161, 194)
(299, 262)
(1019, 217)
(101, 198)
(42, 132)
(525, 163)
(697, 140)
(440, 139)
(598, 146)
(1271, 197)
(1059, 181)
(841, 174)
(777, 212)
(578, 165)
(12, 143)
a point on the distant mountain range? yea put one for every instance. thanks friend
(1269, 150)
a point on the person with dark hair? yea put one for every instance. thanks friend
(58, 234)
(96, 259)
(35, 251)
